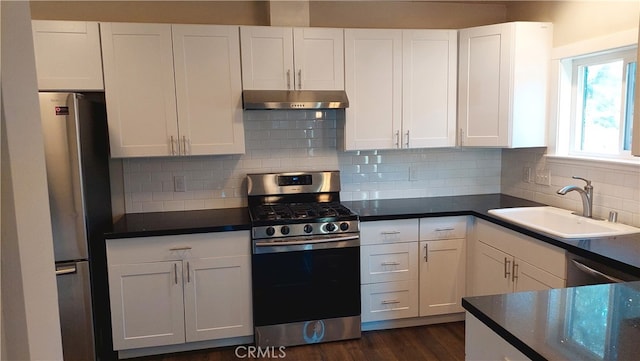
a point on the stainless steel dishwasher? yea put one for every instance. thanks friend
(582, 271)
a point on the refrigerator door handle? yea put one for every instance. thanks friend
(66, 269)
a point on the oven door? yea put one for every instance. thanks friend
(306, 285)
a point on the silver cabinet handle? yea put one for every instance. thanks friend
(507, 266)
(514, 276)
(426, 252)
(188, 273)
(185, 142)
(387, 233)
(182, 248)
(389, 302)
(299, 79)
(444, 229)
(461, 137)
(397, 139)
(65, 270)
(390, 263)
(288, 79)
(175, 272)
(594, 272)
(407, 144)
(173, 146)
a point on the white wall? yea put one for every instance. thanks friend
(30, 321)
(295, 140)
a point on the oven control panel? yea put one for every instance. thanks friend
(308, 229)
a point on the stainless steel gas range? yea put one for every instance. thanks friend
(306, 259)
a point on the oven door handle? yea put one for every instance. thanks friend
(306, 241)
(594, 272)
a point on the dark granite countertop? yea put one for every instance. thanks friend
(599, 322)
(180, 222)
(622, 252)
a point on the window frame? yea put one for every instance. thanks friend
(573, 64)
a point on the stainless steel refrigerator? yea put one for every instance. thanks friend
(77, 161)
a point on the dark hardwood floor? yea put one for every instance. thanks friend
(428, 343)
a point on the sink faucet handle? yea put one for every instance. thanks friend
(584, 179)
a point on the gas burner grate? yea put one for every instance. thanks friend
(297, 211)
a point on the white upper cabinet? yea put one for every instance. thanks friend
(402, 88)
(172, 89)
(282, 58)
(373, 82)
(208, 89)
(67, 55)
(429, 88)
(139, 89)
(503, 72)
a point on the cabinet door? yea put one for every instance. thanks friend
(267, 57)
(389, 262)
(492, 271)
(318, 58)
(429, 83)
(139, 89)
(218, 298)
(373, 81)
(208, 89)
(442, 281)
(484, 85)
(531, 278)
(146, 304)
(67, 55)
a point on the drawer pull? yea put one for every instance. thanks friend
(390, 263)
(507, 266)
(184, 248)
(388, 233)
(426, 252)
(389, 302)
(175, 272)
(445, 229)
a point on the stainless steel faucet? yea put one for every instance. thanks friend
(586, 194)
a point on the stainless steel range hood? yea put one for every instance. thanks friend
(294, 99)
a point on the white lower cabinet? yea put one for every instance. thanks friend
(442, 270)
(505, 261)
(170, 290)
(389, 269)
(442, 265)
(412, 267)
(146, 304)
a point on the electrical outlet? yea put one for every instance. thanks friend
(526, 174)
(543, 177)
(179, 183)
(413, 173)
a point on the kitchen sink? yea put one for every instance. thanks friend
(562, 223)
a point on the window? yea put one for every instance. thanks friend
(602, 93)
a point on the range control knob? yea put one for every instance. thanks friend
(284, 230)
(270, 231)
(344, 226)
(308, 228)
(330, 227)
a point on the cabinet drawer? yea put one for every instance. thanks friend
(389, 262)
(381, 232)
(389, 300)
(167, 248)
(443, 228)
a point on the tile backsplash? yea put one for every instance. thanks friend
(306, 140)
(615, 187)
